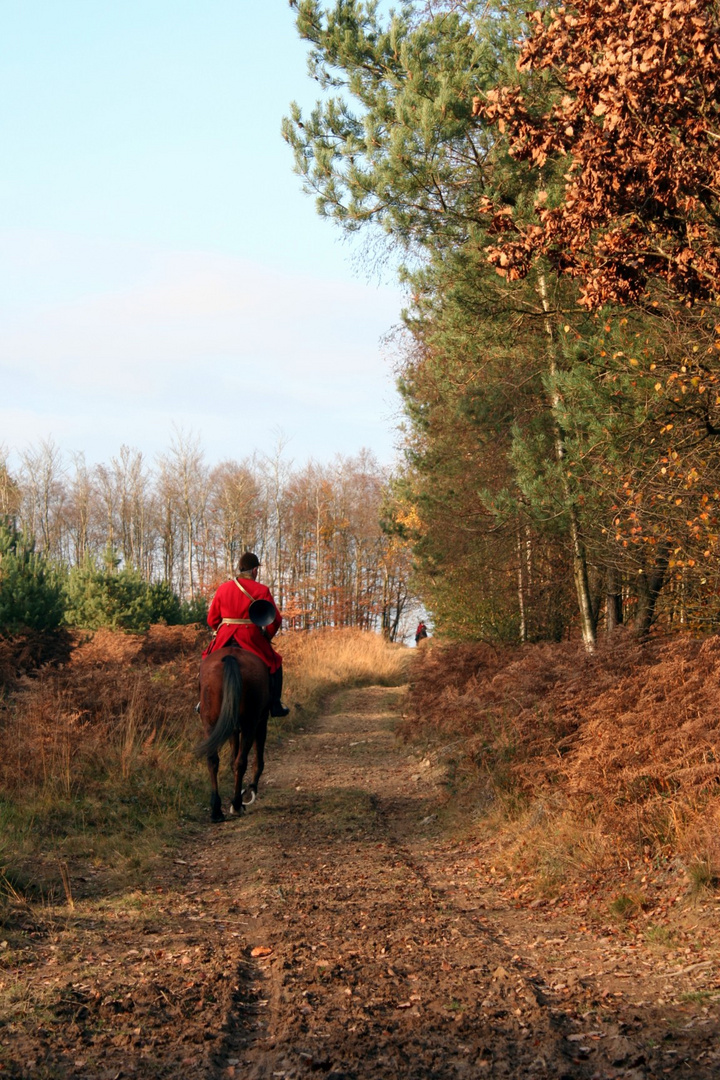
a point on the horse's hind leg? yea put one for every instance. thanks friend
(240, 765)
(260, 737)
(213, 763)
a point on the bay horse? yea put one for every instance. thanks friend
(234, 705)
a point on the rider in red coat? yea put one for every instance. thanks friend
(229, 617)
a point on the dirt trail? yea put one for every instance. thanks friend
(381, 949)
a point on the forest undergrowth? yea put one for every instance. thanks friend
(578, 764)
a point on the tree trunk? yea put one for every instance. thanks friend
(521, 587)
(649, 587)
(579, 560)
(613, 601)
(582, 585)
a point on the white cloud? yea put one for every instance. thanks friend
(130, 339)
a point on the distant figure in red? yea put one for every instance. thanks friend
(229, 618)
(421, 633)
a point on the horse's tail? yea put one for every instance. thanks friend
(229, 719)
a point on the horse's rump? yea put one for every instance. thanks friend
(233, 694)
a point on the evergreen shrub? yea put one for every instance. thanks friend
(31, 593)
(121, 600)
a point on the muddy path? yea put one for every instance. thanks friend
(334, 931)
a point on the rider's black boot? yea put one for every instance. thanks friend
(276, 706)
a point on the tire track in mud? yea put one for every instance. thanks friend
(375, 968)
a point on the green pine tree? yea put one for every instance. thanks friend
(31, 594)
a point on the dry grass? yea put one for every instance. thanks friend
(553, 847)
(318, 662)
(96, 764)
(623, 747)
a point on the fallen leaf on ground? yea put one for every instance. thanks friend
(261, 950)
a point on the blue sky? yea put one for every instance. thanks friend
(160, 266)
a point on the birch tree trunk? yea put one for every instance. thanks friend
(521, 585)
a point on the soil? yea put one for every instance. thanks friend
(338, 930)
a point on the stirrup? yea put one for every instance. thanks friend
(277, 709)
(197, 708)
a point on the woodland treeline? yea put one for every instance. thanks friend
(130, 541)
(550, 179)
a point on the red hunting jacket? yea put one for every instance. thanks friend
(229, 602)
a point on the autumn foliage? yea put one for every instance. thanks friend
(634, 115)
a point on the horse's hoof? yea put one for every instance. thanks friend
(233, 812)
(217, 818)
